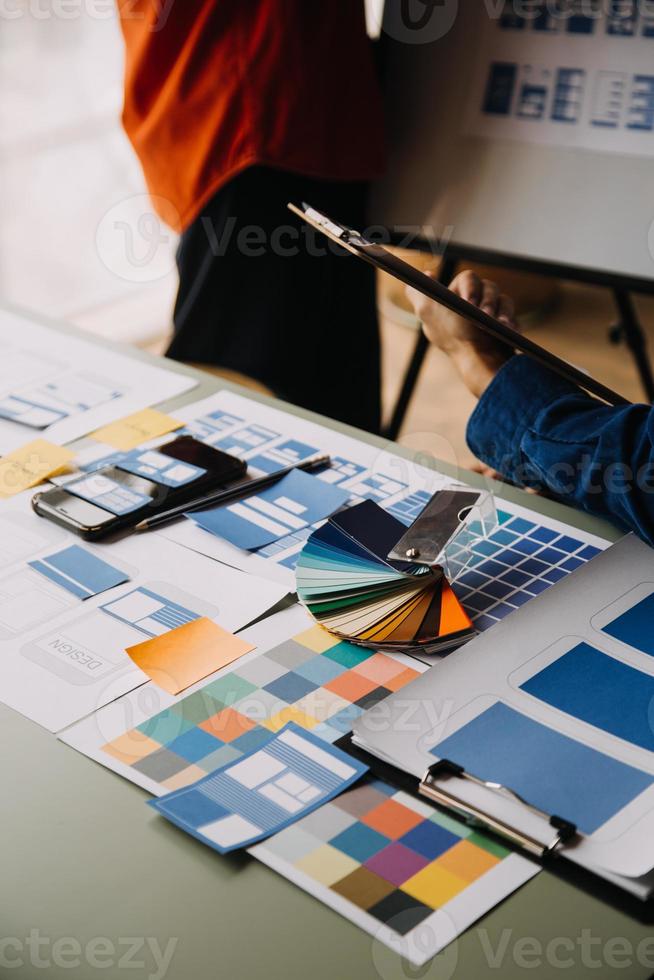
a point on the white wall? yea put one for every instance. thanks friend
(67, 170)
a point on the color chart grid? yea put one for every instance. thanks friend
(518, 561)
(383, 853)
(315, 680)
(373, 850)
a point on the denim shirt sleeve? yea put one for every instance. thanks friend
(541, 431)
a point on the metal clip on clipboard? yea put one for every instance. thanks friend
(428, 787)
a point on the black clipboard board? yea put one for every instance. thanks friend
(382, 259)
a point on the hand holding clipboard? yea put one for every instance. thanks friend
(382, 259)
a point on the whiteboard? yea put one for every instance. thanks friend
(549, 157)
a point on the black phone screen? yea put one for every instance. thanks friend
(138, 485)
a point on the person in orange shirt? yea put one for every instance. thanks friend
(234, 109)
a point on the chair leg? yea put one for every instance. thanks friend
(630, 330)
(446, 273)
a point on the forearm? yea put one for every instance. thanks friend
(541, 431)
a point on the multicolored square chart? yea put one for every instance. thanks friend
(388, 862)
(382, 857)
(314, 680)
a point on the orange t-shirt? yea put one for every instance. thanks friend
(215, 86)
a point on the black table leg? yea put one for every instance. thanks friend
(630, 330)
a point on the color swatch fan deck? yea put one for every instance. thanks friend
(351, 588)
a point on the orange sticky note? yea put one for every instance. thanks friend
(130, 432)
(185, 655)
(31, 464)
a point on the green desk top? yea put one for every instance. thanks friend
(95, 884)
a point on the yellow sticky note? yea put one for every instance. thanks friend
(31, 464)
(179, 658)
(130, 432)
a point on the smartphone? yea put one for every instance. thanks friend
(138, 485)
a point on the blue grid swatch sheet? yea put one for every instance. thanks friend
(518, 561)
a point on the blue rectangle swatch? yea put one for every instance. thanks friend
(29, 412)
(266, 804)
(211, 425)
(80, 572)
(286, 454)
(107, 493)
(601, 691)
(308, 500)
(499, 88)
(580, 24)
(548, 769)
(635, 627)
(113, 459)
(245, 440)
(159, 468)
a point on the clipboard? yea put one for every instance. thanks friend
(354, 242)
(550, 768)
(433, 786)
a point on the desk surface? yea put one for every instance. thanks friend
(84, 858)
